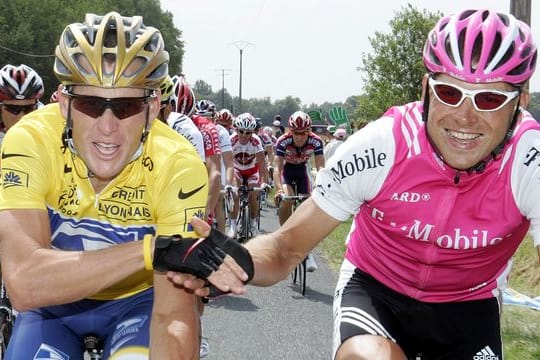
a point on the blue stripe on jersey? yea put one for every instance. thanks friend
(91, 234)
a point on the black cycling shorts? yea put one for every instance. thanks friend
(468, 330)
(297, 174)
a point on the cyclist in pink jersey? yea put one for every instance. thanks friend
(442, 192)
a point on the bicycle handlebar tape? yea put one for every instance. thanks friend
(199, 257)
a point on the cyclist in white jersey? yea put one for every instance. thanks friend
(442, 192)
(179, 119)
(249, 166)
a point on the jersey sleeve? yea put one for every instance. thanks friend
(24, 163)
(356, 171)
(181, 191)
(525, 180)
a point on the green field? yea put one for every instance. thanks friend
(520, 326)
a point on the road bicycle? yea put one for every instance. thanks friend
(300, 271)
(7, 320)
(243, 220)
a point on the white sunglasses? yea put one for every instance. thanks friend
(482, 99)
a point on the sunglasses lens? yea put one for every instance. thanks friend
(242, 132)
(88, 106)
(448, 94)
(489, 101)
(122, 108)
(17, 109)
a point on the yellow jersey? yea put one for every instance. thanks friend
(157, 193)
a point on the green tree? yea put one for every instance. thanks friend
(393, 73)
(534, 105)
(31, 29)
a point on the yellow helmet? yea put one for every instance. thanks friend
(111, 51)
(166, 88)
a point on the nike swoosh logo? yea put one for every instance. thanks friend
(183, 195)
(5, 156)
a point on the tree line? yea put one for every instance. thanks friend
(392, 71)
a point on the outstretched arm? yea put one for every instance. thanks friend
(174, 328)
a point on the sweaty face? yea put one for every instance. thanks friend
(300, 137)
(14, 110)
(107, 138)
(463, 135)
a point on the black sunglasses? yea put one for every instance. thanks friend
(122, 108)
(17, 109)
(243, 132)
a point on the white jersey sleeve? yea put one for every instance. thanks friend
(183, 125)
(356, 171)
(224, 139)
(525, 180)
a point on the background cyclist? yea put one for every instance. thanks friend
(20, 90)
(292, 168)
(85, 180)
(249, 165)
(442, 192)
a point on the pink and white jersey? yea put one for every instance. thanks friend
(415, 229)
(244, 155)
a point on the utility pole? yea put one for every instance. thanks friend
(223, 86)
(240, 45)
(521, 9)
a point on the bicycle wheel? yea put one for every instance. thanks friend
(6, 327)
(246, 224)
(298, 276)
(303, 278)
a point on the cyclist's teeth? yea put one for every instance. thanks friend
(463, 136)
(106, 148)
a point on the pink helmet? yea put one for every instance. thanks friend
(299, 120)
(481, 46)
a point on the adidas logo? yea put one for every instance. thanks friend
(485, 354)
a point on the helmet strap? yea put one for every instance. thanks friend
(144, 135)
(67, 136)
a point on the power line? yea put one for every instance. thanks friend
(24, 53)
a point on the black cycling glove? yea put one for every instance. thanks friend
(199, 257)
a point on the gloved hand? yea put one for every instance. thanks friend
(277, 197)
(199, 257)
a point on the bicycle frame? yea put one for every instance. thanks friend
(243, 220)
(7, 320)
(300, 271)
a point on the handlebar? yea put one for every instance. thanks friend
(295, 197)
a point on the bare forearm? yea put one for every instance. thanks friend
(174, 330)
(213, 193)
(272, 262)
(77, 274)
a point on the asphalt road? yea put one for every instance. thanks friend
(274, 322)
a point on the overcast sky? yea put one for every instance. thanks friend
(304, 48)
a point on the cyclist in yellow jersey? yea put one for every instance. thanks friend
(88, 183)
